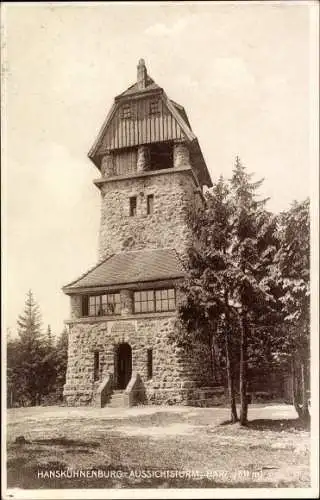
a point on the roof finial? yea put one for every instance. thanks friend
(142, 75)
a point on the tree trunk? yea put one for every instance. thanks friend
(243, 371)
(304, 403)
(294, 388)
(230, 364)
(230, 378)
(299, 397)
(212, 358)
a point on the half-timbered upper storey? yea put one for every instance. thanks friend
(143, 115)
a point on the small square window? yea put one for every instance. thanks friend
(133, 206)
(126, 111)
(154, 107)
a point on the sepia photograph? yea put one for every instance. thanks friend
(160, 211)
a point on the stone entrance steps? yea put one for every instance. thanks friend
(116, 400)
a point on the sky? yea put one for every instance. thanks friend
(242, 72)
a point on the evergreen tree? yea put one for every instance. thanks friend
(251, 253)
(49, 338)
(206, 312)
(228, 290)
(292, 269)
(14, 389)
(49, 364)
(32, 349)
(61, 361)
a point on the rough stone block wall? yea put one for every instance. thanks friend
(174, 198)
(176, 375)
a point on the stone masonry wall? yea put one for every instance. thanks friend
(176, 374)
(174, 198)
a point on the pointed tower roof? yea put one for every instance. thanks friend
(116, 134)
(143, 84)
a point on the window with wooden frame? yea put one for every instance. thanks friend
(84, 305)
(133, 206)
(165, 300)
(103, 305)
(154, 107)
(144, 301)
(150, 200)
(154, 300)
(126, 111)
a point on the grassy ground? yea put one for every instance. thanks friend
(151, 446)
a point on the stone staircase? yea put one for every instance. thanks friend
(105, 396)
(116, 400)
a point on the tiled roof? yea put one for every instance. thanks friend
(131, 267)
(151, 85)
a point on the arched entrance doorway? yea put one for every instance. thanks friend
(122, 365)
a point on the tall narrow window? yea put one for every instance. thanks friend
(96, 365)
(133, 206)
(150, 204)
(149, 363)
(85, 306)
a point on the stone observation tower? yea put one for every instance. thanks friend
(124, 310)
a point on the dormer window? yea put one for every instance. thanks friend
(154, 107)
(126, 111)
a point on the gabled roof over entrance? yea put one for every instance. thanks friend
(131, 267)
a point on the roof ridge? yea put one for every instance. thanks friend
(144, 250)
(150, 81)
(89, 271)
